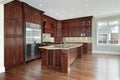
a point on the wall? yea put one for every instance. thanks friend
(1, 38)
(103, 49)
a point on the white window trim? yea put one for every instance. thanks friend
(100, 44)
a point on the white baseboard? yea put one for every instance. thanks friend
(2, 69)
(106, 52)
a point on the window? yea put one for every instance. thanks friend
(108, 32)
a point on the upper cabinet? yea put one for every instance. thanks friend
(32, 15)
(50, 25)
(86, 26)
(13, 10)
(13, 19)
(65, 29)
(78, 27)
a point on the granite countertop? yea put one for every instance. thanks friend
(61, 46)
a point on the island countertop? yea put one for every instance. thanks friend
(61, 46)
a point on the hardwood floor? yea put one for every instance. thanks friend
(91, 67)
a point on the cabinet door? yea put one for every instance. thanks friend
(37, 17)
(32, 15)
(44, 58)
(64, 32)
(19, 50)
(18, 12)
(10, 10)
(85, 48)
(90, 47)
(13, 10)
(28, 15)
(19, 27)
(9, 26)
(80, 52)
(9, 50)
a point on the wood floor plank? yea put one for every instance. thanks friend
(91, 67)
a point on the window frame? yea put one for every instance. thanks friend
(97, 37)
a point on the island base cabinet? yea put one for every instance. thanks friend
(44, 58)
(65, 61)
(59, 60)
(51, 59)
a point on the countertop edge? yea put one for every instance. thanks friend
(61, 48)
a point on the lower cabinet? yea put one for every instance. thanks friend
(87, 48)
(13, 52)
(59, 60)
(80, 52)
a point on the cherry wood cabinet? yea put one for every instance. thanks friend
(50, 25)
(78, 27)
(59, 60)
(65, 29)
(80, 52)
(87, 48)
(16, 14)
(13, 34)
(32, 15)
(58, 37)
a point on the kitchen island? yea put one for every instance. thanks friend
(60, 57)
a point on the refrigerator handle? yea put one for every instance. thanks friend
(34, 42)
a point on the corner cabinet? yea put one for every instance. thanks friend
(13, 34)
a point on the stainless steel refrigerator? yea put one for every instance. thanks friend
(33, 40)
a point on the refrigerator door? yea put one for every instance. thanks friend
(37, 33)
(37, 40)
(33, 37)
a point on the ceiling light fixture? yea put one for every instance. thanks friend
(50, 10)
(61, 16)
(86, 5)
(57, 14)
(71, 15)
(40, 5)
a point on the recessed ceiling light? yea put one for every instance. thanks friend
(71, 15)
(50, 10)
(80, 12)
(61, 16)
(57, 14)
(86, 5)
(40, 5)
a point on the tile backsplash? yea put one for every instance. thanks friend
(47, 38)
(78, 39)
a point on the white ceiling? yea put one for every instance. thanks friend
(4, 1)
(66, 9)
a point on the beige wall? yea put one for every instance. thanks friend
(1, 38)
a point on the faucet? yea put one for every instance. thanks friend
(64, 41)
